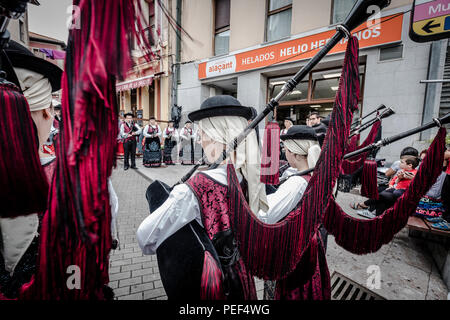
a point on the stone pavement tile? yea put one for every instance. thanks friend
(131, 267)
(114, 270)
(122, 291)
(142, 272)
(135, 296)
(155, 293)
(151, 277)
(400, 281)
(119, 276)
(142, 287)
(158, 284)
(113, 284)
(130, 281)
(120, 262)
(412, 252)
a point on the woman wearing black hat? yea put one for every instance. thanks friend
(202, 201)
(302, 152)
(152, 147)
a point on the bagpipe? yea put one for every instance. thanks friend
(437, 122)
(358, 122)
(271, 252)
(361, 127)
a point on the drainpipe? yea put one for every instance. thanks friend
(177, 78)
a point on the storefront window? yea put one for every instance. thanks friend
(316, 92)
(222, 27)
(279, 18)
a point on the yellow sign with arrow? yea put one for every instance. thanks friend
(430, 20)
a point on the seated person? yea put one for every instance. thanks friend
(397, 186)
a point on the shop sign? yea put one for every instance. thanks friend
(430, 20)
(133, 84)
(387, 30)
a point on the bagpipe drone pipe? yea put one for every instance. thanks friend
(276, 251)
(363, 168)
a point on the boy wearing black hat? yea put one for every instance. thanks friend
(129, 131)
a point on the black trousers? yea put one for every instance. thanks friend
(129, 149)
(385, 200)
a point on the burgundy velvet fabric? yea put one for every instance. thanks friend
(351, 165)
(212, 286)
(366, 236)
(76, 230)
(273, 251)
(353, 143)
(23, 186)
(270, 160)
(369, 185)
(213, 200)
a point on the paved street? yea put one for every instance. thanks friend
(406, 268)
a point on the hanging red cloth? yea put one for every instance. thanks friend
(75, 238)
(369, 185)
(366, 236)
(270, 160)
(274, 251)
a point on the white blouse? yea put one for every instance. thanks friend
(173, 131)
(285, 198)
(177, 211)
(147, 135)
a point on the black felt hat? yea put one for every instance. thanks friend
(221, 105)
(128, 114)
(21, 57)
(300, 132)
(289, 119)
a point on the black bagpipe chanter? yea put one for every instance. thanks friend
(180, 270)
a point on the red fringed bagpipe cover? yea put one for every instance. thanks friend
(273, 252)
(369, 185)
(23, 186)
(349, 166)
(75, 237)
(270, 160)
(366, 236)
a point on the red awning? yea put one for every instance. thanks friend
(135, 83)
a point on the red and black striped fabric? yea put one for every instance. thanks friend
(76, 230)
(23, 185)
(366, 236)
(272, 252)
(369, 185)
(270, 160)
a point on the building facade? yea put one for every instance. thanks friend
(146, 90)
(249, 49)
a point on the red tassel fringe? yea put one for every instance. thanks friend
(211, 287)
(369, 185)
(270, 160)
(366, 236)
(23, 184)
